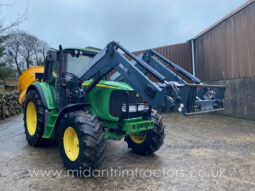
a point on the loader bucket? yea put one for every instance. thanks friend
(26, 79)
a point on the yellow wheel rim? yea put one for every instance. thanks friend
(138, 139)
(71, 143)
(31, 118)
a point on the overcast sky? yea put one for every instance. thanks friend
(136, 24)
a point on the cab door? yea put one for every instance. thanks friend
(52, 78)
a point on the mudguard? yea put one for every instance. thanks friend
(26, 79)
(38, 88)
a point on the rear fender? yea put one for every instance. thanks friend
(36, 87)
(45, 93)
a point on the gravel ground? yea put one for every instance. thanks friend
(204, 152)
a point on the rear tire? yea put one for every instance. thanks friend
(34, 119)
(152, 139)
(81, 141)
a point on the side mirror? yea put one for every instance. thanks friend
(51, 56)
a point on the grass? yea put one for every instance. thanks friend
(2, 90)
(10, 82)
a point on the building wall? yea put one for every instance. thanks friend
(227, 51)
(180, 54)
(239, 97)
(225, 54)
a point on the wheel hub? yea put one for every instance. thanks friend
(31, 118)
(71, 143)
(138, 139)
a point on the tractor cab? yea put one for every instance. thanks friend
(61, 69)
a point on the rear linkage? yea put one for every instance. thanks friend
(171, 93)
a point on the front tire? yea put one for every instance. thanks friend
(34, 118)
(81, 141)
(151, 140)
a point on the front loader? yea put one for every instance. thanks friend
(77, 99)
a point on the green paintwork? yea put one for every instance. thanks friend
(110, 84)
(53, 114)
(49, 130)
(48, 94)
(130, 126)
(99, 99)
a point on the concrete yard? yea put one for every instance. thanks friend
(205, 152)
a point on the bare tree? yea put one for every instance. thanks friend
(40, 51)
(23, 48)
(13, 47)
(28, 43)
(19, 20)
(5, 70)
(9, 56)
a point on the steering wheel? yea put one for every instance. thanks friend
(74, 83)
(73, 77)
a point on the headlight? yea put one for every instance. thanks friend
(133, 108)
(141, 107)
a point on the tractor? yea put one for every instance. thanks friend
(83, 97)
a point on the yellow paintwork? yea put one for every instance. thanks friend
(71, 143)
(27, 78)
(31, 118)
(100, 85)
(138, 139)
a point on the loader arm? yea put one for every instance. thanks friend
(153, 59)
(180, 75)
(166, 96)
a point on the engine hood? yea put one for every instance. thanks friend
(110, 84)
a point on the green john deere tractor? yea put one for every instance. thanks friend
(82, 97)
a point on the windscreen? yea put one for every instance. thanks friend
(75, 63)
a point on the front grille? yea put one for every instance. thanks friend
(119, 97)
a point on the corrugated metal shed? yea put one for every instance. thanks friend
(180, 54)
(224, 18)
(226, 50)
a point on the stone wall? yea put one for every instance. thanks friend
(239, 97)
(9, 104)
